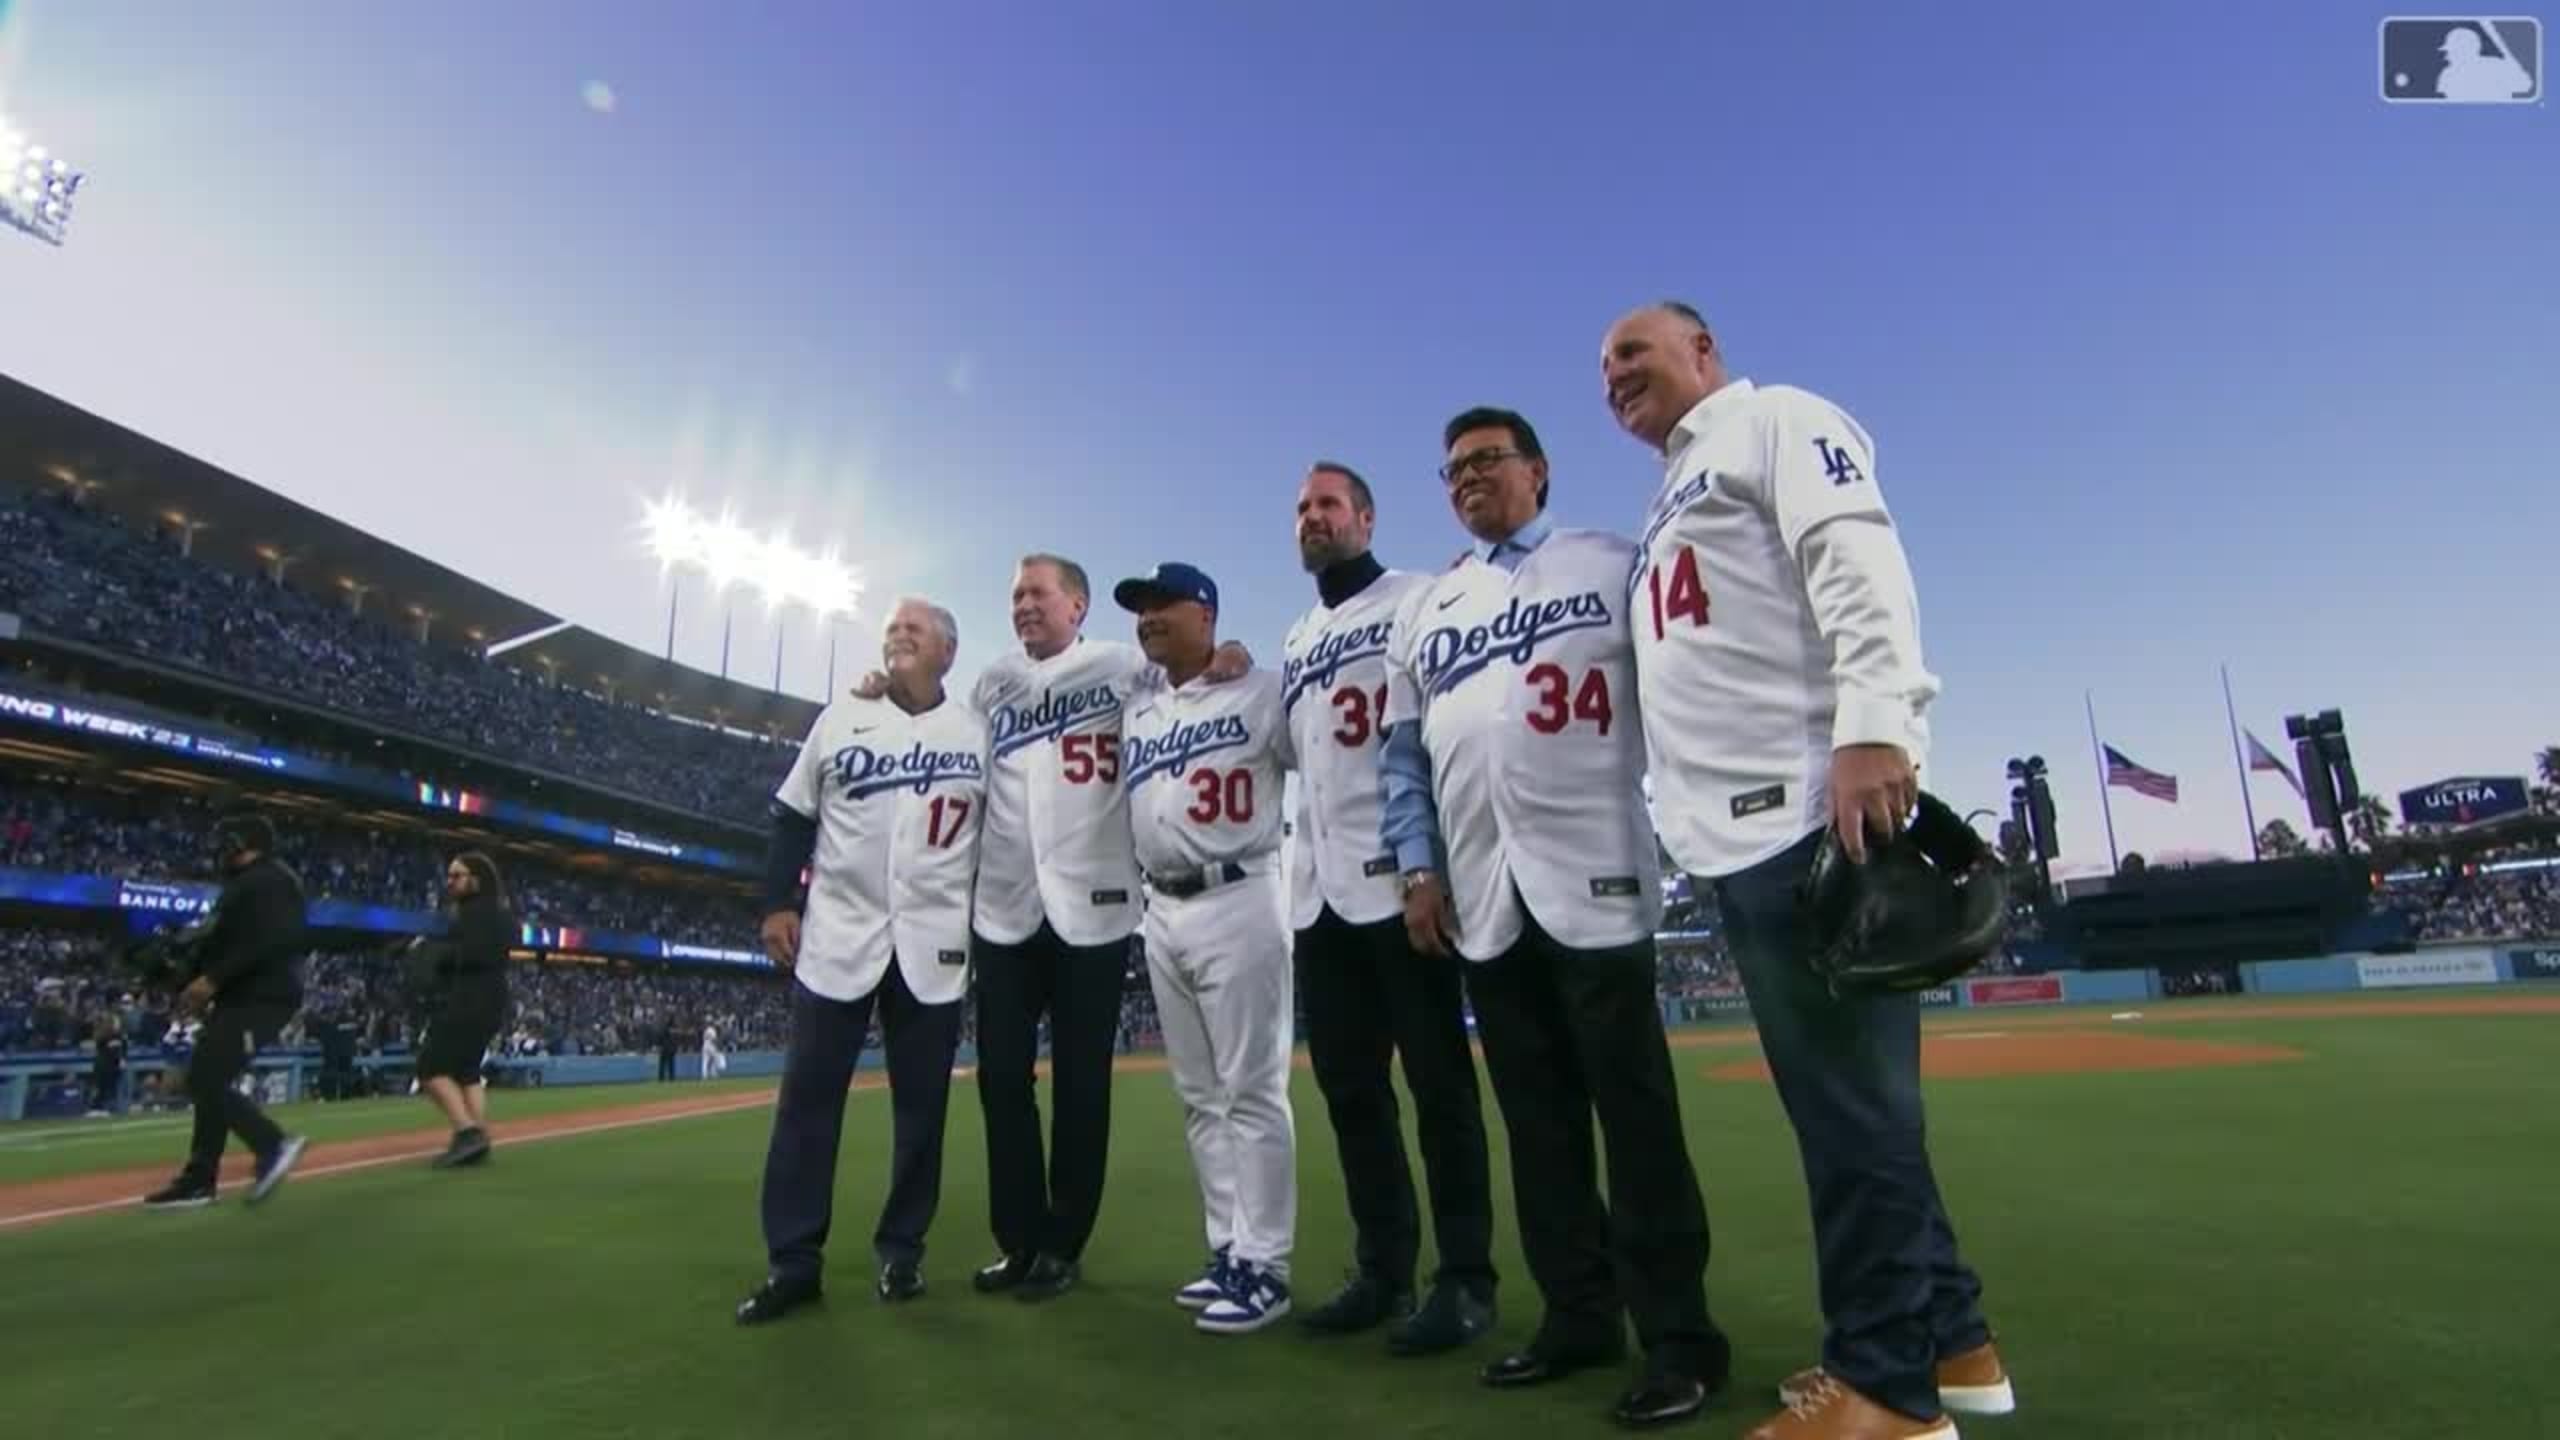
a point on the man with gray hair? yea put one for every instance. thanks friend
(881, 812)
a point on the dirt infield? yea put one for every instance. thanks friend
(1957, 1054)
(43, 1200)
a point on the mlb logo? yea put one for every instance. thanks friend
(2462, 60)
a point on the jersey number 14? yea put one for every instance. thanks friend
(1684, 597)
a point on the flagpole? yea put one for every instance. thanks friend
(2106, 806)
(2240, 763)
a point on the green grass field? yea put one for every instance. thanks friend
(2361, 1242)
(52, 1149)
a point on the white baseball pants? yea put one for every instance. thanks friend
(1219, 965)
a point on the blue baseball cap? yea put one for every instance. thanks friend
(1169, 582)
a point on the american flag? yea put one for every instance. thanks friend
(2121, 771)
(2262, 758)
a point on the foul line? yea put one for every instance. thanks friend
(12, 1139)
(342, 1167)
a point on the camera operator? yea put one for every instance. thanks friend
(468, 965)
(247, 985)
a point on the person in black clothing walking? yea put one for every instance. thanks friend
(667, 1047)
(469, 964)
(249, 984)
(106, 1067)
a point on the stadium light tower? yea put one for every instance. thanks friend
(726, 553)
(2031, 810)
(2328, 771)
(36, 186)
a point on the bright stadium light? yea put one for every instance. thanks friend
(726, 552)
(36, 187)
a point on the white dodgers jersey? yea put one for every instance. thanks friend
(1524, 683)
(1333, 680)
(1205, 765)
(1742, 707)
(898, 799)
(1057, 841)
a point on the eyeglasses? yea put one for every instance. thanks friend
(1477, 462)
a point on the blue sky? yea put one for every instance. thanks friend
(2180, 347)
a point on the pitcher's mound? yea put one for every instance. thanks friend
(2053, 1052)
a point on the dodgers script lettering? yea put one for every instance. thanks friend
(1326, 658)
(1451, 654)
(861, 770)
(1171, 753)
(1014, 726)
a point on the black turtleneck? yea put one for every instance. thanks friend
(1345, 578)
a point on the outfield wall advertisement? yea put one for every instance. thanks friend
(2015, 990)
(2542, 964)
(2441, 967)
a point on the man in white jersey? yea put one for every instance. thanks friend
(1777, 634)
(882, 811)
(1204, 765)
(1057, 901)
(713, 1061)
(1369, 994)
(1511, 786)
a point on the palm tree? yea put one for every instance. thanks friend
(2546, 796)
(2370, 821)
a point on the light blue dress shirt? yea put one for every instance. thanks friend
(1410, 824)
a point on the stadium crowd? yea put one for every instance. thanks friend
(81, 829)
(89, 577)
(2506, 905)
(57, 983)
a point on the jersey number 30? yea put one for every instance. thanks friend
(1684, 597)
(1362, 713)
(1221, 795)
(1561, 702)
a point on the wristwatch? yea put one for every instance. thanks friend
(1411, 880)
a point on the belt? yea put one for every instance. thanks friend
(1183, 884)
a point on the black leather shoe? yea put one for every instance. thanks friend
(1453, 1314)
(1363, 1303)
(1002, 1273)
(1660, 1400)
(774, 1299)
(1538, 1364)
(1048, 1278)
(900, 1280)
(1677, 1383)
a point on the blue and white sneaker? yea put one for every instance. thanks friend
(1255, 1297)
(1204, 1292)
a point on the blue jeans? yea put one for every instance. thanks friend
(1895, 1295)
